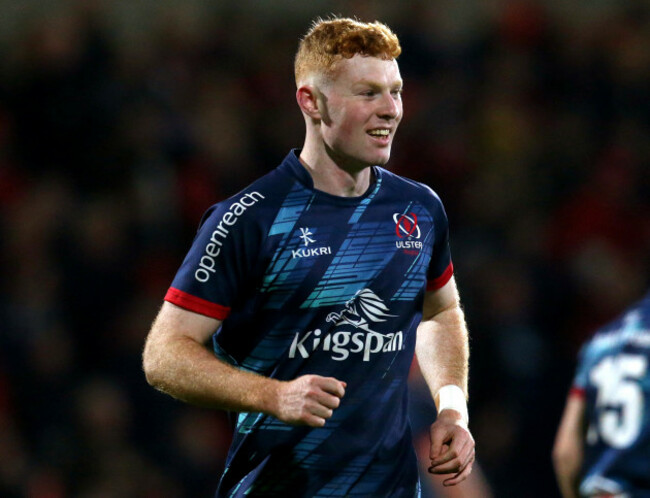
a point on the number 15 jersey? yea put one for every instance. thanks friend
(613, 375)
(310, 283)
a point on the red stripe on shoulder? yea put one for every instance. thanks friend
(196, 304)
(578, 392)
(439, 282)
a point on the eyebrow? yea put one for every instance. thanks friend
(374, 85)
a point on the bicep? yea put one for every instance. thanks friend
(439, 300)
(176, 322)
(568, 440)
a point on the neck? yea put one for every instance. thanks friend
(330, 177)
(332, 173)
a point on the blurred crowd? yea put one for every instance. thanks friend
(119, 127)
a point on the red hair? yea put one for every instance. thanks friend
(329, 41)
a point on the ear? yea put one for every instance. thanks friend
(307, 98)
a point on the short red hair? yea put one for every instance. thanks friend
(329, 41)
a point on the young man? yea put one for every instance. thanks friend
(313, 283)
(602, 448)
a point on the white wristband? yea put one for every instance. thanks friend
(452, 397)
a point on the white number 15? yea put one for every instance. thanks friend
(620, 398)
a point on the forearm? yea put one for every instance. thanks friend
(567, 482)
(443, 356)
(568, 447)
(566, 463)
(442, 349)
(187, 370)
(176, 361)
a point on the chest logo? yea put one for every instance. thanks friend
(353, 331)
(306, 236)
(307, 251)
(408, 232)
(360, 311)
(406, 225)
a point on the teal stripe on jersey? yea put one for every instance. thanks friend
(365, 252)
(296, 202)
(288, 271)
(283, 272)
(274, 345)
(413, 278)
(358, 212)
(354, 474)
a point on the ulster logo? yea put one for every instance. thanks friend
(406, 225)
(408, 231)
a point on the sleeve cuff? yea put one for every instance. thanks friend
(196, 304)
(439, 282)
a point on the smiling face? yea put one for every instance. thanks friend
(361, 107)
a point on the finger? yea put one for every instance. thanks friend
(309, 418)
(438, 439)
(461, 476)
(445, 455)
(314, 421)
(454, 467)
(321, 411)
(333, 386)
(450, 452)
(453, 460)
(328, 400)
(471, 456)
(445, 468)
(458, 444)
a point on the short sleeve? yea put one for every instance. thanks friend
(441, 268)
(581, 377)
(220, 262)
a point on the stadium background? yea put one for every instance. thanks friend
(120, 122)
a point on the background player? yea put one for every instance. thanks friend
(317, 279)
(602, 447)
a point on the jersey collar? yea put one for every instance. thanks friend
(292, 164)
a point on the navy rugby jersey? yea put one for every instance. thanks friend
(613, 376)
(310, 283)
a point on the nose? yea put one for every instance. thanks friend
(391, 106)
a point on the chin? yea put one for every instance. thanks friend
(381, 159)
(361, 160)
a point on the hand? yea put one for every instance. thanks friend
(452, 447)
(309, 400)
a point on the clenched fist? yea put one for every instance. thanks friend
(308, 400)
(452, 448)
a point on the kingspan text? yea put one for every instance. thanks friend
(342, 343)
